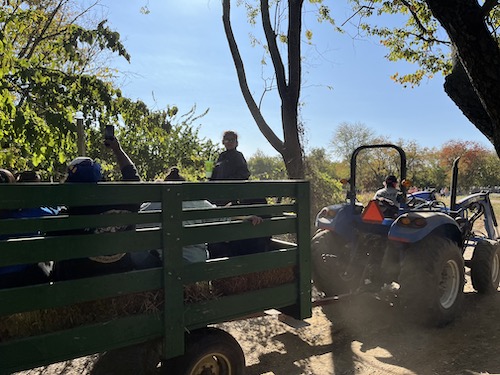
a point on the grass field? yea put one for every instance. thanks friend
(495, 202)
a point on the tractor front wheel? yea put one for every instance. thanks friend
(432, 280)
(485, 267)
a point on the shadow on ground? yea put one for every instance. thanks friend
(367, 332)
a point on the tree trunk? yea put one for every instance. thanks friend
(459, 88)
(290, 149)
(479, 55)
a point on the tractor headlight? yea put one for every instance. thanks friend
(329, 212)
(327, 215)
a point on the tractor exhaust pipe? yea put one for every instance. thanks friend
(454, 185)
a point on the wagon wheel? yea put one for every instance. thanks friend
(209, 351)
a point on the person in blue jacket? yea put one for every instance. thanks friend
(23, 274)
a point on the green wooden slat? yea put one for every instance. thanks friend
(216, 269)
(43, 194)
(231, 307)
(221, 190)
(173, 264)
(38, 195)
(64, 222)
(64, 293)
(55, 248)
(42, 350)
(225, 212)
(31, 225)
(59, 223)
(304, 255)
(229, 231)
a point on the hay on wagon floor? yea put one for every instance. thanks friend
(254, 281)
(43, 321)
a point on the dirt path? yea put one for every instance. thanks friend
(375, 341)
(363, 336)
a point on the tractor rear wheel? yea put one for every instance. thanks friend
(330, 260)
(485, 267)
(432, 280)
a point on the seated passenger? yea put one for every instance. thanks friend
(198, 252)
(22, 274)
(86, 170)
(28, 176)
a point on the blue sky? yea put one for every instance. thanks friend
(180, 57)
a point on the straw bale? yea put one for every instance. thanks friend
(43, 321)
(254, 281)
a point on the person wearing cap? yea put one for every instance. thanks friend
(231, 164)
(86, 170)
(6, 176)
(390, 191)
(28, 176)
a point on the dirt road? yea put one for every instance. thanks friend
(374, 340)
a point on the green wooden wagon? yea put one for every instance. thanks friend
(165, 319)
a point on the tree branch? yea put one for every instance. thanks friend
(488, 6)
(39, 38)
(415, 17)
(273, 48)
(294, 50)
(240, 70)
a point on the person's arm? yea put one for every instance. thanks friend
(126, 165)
(121, 157)
(255, 220)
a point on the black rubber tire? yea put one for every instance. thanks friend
(330, 257)
(209, 351)
(485, 267)
(140, 359)
(432, 281)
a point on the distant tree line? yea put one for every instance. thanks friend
(426, 167)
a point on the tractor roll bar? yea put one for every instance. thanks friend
(352, 180)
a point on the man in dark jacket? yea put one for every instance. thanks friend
(231, 164)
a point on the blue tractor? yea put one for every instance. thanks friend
(418, 248)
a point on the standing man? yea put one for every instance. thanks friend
(231, 164)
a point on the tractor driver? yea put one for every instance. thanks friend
(390, 191)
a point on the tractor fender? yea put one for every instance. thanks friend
(411, 227)
(338, 218)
